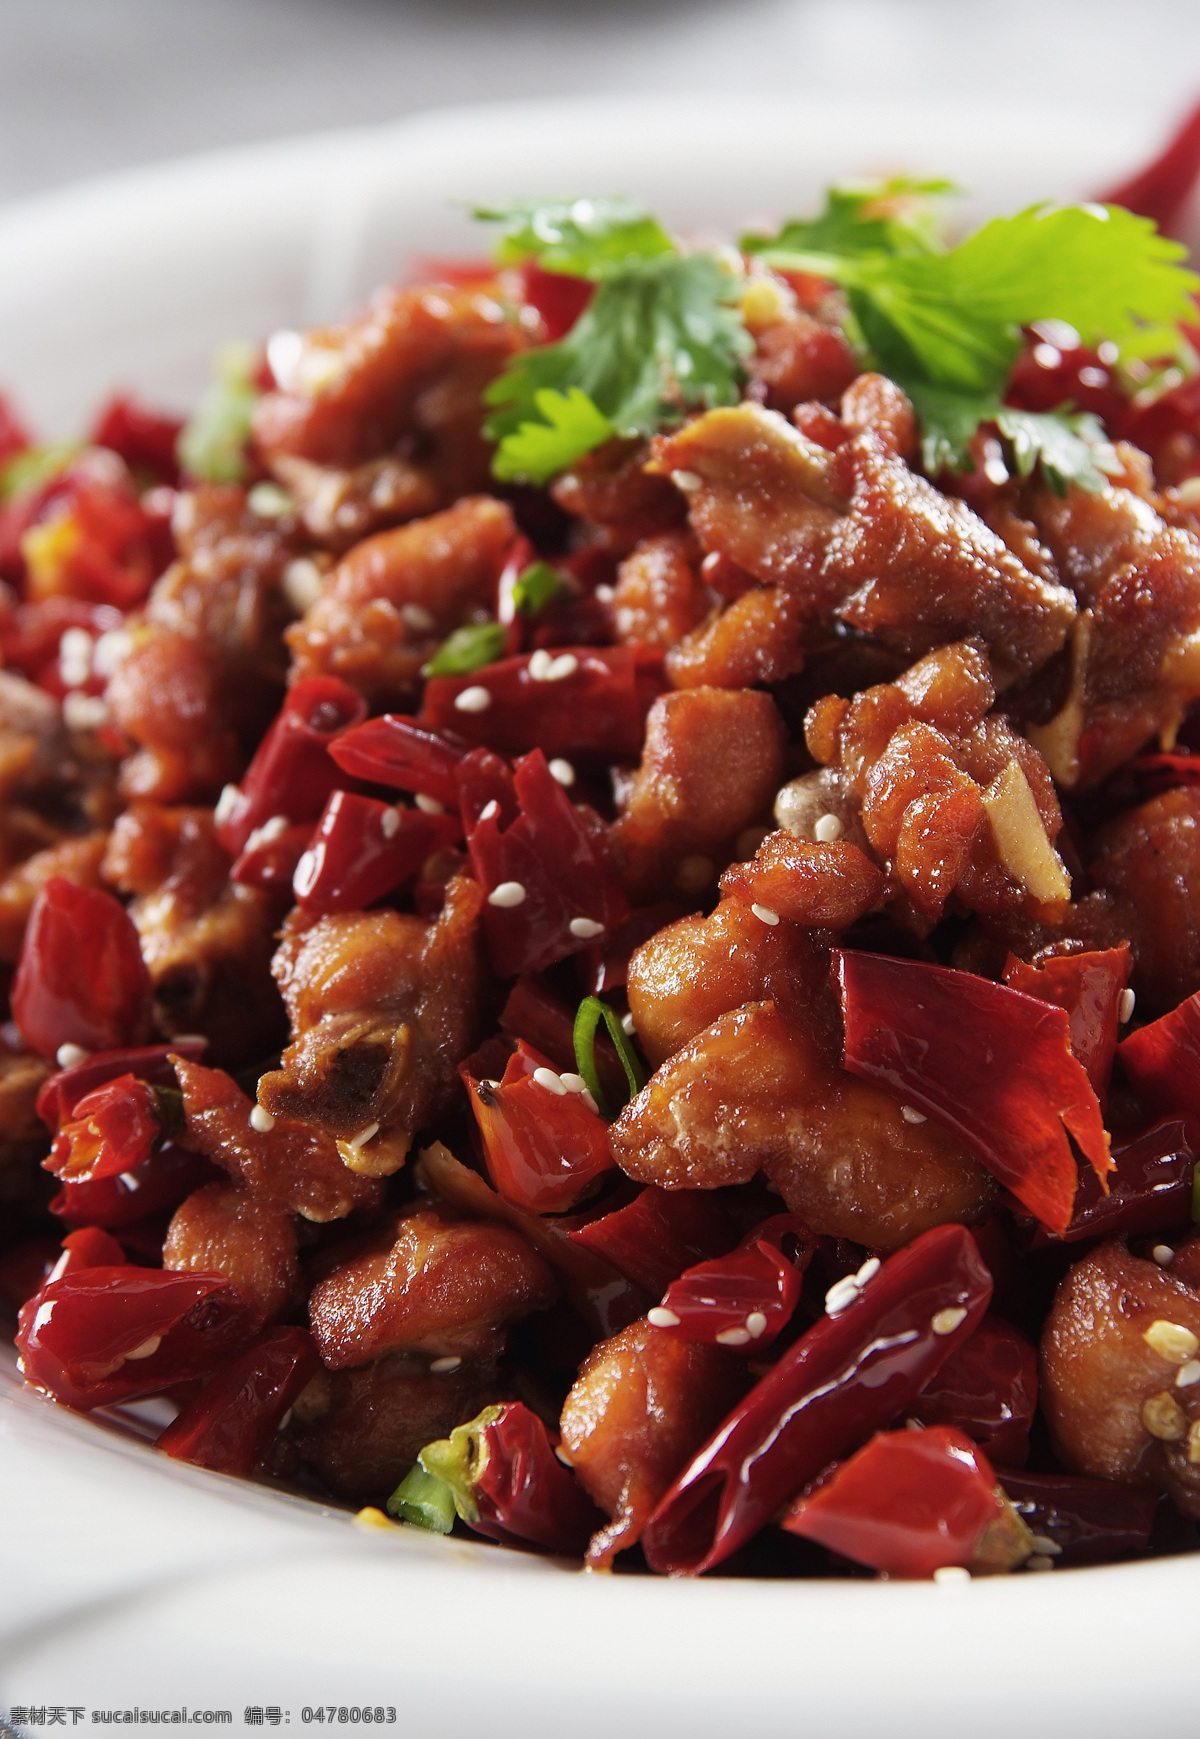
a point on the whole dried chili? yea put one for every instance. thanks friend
(743, 1299)
(81, 979)
(230, 1423)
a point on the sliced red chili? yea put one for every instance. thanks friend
(230, 1423)
(523, 1492)
(88, 1247)
(362, 849)
(584, 703)
(1163, 1062)
(292, 773)
(1149, 1188)
(395, 750)
(99, 1336)
(987, 1388)
(543, 1143)
(145, 439)
(81, 979)
(270, 859)
(1091, 1521)
(909, 1503)
(1162, 188)
(743, 1299)
(1089, 986)
(659, 1234)
(849, 1375)
(112, 1130)
(558, 298)
(550, 892)
(162, 1181)
(990, 1063)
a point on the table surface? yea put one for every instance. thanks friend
(88, 86)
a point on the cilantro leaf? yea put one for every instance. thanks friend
(468, 648)
(584, 238)
(657, 338)
(895, 217)
(1070, 446)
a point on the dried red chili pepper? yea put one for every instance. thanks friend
(558, 298)
(270, 862)
(660, 1233)
(1149, 1188)
(592, 709)
(542, 1142)
(88, 1247)
(988, 1388)
(145, 439)
(549, 890)
(59, 1096)
(162, 1181)
(992, 1064)
(912, 1502)
(31, 638)
(112, 1130)
(99, 1336)
(230, 1423)
(1161, 189)
(1090, 1521)
(500, 1474)
(362, 849)
(743, 1299)
(81, 979)
(1163, 1062)
(848, 1376)
(292, 773)
(395, 750)
(1089, 987)
(14, 436)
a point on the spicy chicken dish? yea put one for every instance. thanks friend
(600, 896)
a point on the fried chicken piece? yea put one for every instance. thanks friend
(825, 884)
(207, 942)
(384, 1007)
(1117, 1335)
(429, 1283)
(712, 760)
(659, 595)
(290, 1164)
(755, 1092)
(395, 597)
(855, 536)
(1147, 861)
(339, 508)
(621, 501)
(223, 1229)
(643, 1403)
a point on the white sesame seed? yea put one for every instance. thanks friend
(562, 1455)
(475, 699)
(284, 350)
(868, 1271)
(267, 832)
(550, 1081)
(1046, 1546)
(1171, 1341)
(1188, 490)
(1039, 1561)
(130, 1180)
(661, 1317)
(1163, 1255)
(688, 481)
(1126, 1007)
(566, 664)
(269, 501)
(1188, 1374)
(585, 928)
(83, 712)
(910, 1114)
(574, 1083)
(68, 1056)
(227, 802)
(112, 648)
(539, 665)
(488, 810)
(765, 913)
(946, 1321)
(507, 894)
(75, 656)
(841, 1293)
(429, 805)
(827, 828)
(627, 1025)
(302, 584)
(756, 1325)
(418, 618)
(443, 1367)
(147, 1349)
(389, 823)
(734, 1337)
(951, 1576)
(605, 594)
(562, 771)
(262, 1120)
(363, 1136)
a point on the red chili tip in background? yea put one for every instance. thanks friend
(850, 1375)
(61, 1094)
(558, 298)
(363, 849)
(145, 439)
(395, 750)
(1161, 190)
(659, 1234)
(988, 1387)
(543, 1144)
(228, 1426)
(112, 1130)
(292, 773)
(1089, 987)
(909, 1503)
(1163, 1062)
(524, 1494)
(100, 1336)
(741, 1300)
(81, 979)
(1149, 1188)
(992, 1064)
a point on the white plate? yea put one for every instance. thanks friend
(127, 1580)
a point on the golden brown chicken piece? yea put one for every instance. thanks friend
(659, 595)
(384, 1007)
(223, 1229)
(754, 1092)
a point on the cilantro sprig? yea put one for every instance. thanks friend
(661, 336)
(946, 323)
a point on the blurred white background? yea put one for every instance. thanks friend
(93, 85)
